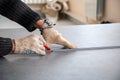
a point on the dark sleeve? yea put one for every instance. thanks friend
(19, 12)
(5, 46)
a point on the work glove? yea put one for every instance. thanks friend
(52, 36)
(33, 43)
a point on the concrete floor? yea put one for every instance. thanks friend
(6, 23)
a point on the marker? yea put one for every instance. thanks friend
(48, 48)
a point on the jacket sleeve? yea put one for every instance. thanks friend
(5, 46)
(19, 12)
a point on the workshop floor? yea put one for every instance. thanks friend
(6, 23)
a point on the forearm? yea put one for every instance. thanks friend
(19, 12)
(6, 46)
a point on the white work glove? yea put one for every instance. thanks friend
(52, 36)
(32, 42)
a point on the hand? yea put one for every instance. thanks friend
(52, 36)
(32, 42)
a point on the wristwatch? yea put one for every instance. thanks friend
(47, 24)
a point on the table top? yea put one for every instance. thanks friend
(95, 64)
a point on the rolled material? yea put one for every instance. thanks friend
(55, 6)
(65, 6)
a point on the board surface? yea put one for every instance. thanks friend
(95, 64)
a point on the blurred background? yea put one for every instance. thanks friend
(75, 12)
(78, 11)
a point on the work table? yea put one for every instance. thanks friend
(84, 63)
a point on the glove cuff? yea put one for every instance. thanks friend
(13, 46)
(47, 24)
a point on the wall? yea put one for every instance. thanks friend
(77, 9)
(112, 11)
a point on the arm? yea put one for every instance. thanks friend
(32, 42)
(19, 12)
(5, 46)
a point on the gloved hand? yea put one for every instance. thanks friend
(52, 36)
(32, 42)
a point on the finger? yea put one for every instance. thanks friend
(42, 41)
(65, 43)
(41, 47)
(33, 51)
(40, 50)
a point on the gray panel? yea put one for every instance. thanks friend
(81, 65)
(100, 64)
